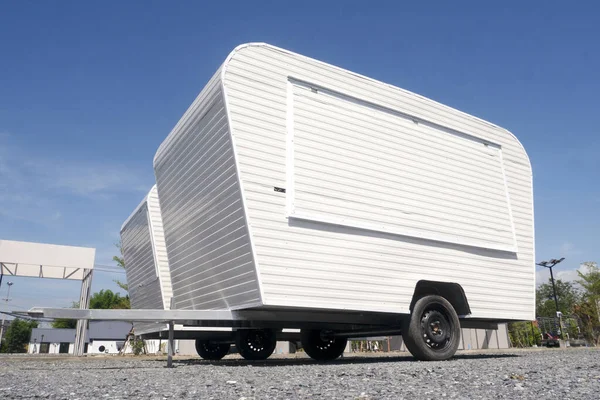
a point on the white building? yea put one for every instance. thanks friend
(102, 337)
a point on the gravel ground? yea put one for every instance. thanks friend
(535, 374)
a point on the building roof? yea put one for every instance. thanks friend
(98, 330)
(42, 260)
(109, 330)
(51, 335)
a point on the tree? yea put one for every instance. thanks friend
(106, 299)
(120, 260)
(17, 336)
(568, 297)
(588, 310)
(524, 334)
(590, 280)
(64, 323)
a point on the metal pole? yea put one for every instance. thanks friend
(84, 302)
(4, 315)
(171, 347)
(554, 290)
(558, 313)
(8, 292)
(2, 327)
(550, 264)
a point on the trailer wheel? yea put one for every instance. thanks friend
(255, 344)
(211, 351)
(433, 331)
(320, 347)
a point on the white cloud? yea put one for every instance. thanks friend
(104, 255)
(20, 206)
(28, 183)
(542, 275)
(85, 179)
(568, 249)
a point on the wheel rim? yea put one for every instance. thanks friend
(436, 329)
(211, 348)
(325, 342)
(257, 341)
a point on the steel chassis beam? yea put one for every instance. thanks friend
(347, 324)
(225, 318)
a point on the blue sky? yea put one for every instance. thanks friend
(88, 91)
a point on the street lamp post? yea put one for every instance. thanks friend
(8, 292)
(7, 299)
(550, 264)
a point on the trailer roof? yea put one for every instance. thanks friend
(137, 209)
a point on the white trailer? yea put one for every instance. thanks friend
(146, 260)
(149, 278)
(291, 185)
(296, 194)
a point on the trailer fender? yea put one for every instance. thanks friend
(452, 292)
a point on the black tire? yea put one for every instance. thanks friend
(211, 351)
(433, 331)
(320, 348)
(255, 344)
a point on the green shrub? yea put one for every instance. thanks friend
(137, 346)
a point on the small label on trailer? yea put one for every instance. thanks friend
(279, 190)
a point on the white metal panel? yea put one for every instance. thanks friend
(161, 259)
(209, 249)
(144, 283)
(328, 265)
(45, 260)
(364, 166)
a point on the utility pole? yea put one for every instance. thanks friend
(7, 299)
(550, 264)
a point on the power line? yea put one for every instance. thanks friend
(112, 271)
(24, 316)
(16, 306)
(107, 266)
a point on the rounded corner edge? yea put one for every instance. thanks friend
(521, 146)
(158, 151)
(236, 50)
(135, 210)
(123, 228)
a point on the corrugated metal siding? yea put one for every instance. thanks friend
(144, 286)
(367, 167)
(160, 248)
(311, 264)
(210, 256)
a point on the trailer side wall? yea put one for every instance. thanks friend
(210, 255)
(383, 188)
(144, 285)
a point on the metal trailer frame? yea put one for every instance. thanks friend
(348, 324)
(49, 261)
